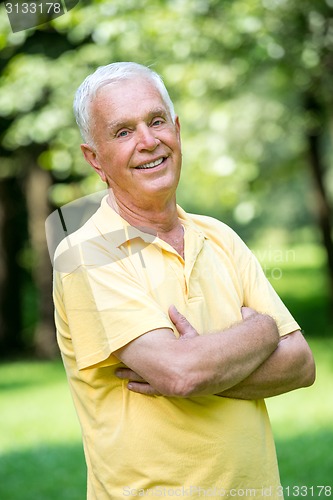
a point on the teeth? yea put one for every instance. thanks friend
(152, 164)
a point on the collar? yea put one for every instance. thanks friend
(116, 229)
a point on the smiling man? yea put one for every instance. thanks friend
(136, 151)
(170, 333)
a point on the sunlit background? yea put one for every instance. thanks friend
(252, 83)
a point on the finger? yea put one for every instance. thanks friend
(247, 312)
(128, 374)
(184, 328)
(142, 388)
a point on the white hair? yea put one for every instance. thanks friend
(105, 75)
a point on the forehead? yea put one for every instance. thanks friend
(127, 100)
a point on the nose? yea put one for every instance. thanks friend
(146, 139)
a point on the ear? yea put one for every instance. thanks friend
(90, 156)
(177, 125)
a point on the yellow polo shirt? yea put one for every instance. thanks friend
(113, 283)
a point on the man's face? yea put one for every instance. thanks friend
(137, 146)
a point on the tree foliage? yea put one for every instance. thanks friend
(251, 81)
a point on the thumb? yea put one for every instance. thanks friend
(247, 312)
(183, 326)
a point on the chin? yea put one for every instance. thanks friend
(165, 188)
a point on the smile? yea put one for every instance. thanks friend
(151, 164)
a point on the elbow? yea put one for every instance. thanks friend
(301, 361)
(274, 331)
(309, 371)
(306, 368)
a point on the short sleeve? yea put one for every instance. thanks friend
(106, 308)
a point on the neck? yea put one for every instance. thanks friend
(159, 219)
(157, 216)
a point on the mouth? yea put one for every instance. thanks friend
(152, 164)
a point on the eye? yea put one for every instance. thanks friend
(157, 121)
(122, 133)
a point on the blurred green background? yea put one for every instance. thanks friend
(252, 83)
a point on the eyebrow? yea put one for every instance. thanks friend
(124, 123)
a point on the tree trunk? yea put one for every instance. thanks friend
(323, 207)
(38, 184)
(13, 236)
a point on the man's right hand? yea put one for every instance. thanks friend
(137, 383)
(184, 327)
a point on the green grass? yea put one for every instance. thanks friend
(41, 455)
(303, 425)
(303, 420)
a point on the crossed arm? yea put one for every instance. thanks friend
(247, 361)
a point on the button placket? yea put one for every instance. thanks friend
(194, 242)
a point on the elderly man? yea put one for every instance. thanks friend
(170, 333)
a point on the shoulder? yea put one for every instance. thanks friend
(210, 223)
(72, 220)
(78, 237)
(70, 253)
(221, 236)
(215, 229)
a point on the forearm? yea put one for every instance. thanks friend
(217, 362)
(289, 367)
(198, 364)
